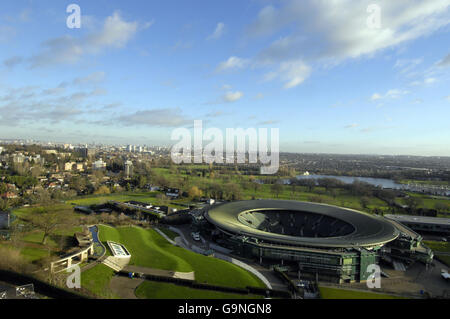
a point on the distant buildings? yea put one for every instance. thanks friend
(128, 169)
(18, 158)
(86, 152)
(69, 166)
(136, 149)
(172, 192)
(99, 165)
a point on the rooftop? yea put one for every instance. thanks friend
(369, 230)
(420, 219)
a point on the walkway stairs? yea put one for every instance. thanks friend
(115, 264)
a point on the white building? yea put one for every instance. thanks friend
(99, 165)
(128, 168)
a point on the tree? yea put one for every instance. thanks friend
(441, 207)
(194, 192)
(310, 183)
(4, 204)
(50, 221)
(102, 190)
(232, 191)
(276, 188)
(413, 202)
(364, 201)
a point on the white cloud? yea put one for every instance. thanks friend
(292, 73)
(351, 125)
(430, 80)
(393, 94)
(95, 77)
(445, 61)
(338, 30)
(375, 97)
(232, 96)
(218, 32)
(168, 117)
(233, 62)
(406, 66)
(115, 33)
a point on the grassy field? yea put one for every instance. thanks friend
(149, 197)
(411, 181)
(158, 290)
(428, 201)
(150, 249)
(438, 246)
(335, 293)
(30, 243)
(96, 280)
(24, 212)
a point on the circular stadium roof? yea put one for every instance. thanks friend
(367, 230)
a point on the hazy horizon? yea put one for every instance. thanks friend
(331, 82)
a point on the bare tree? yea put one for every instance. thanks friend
(51, 221)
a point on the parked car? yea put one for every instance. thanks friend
(195, 236)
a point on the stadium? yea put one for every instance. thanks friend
(325, 242)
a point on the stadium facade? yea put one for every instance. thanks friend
(320, 241)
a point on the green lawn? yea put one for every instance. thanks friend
(34, 254)
(335, 293)
(31, 247)
(149, 249)
(438, 246)
(24, 212)
(428, 201)
(148, 197)
(96, 280)
(158, 290)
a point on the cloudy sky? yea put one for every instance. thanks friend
(324, 72)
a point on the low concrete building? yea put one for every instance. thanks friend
(423, 223)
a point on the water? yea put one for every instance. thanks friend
(383, 183)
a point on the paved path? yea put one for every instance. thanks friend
(125, 287)
(160, 272)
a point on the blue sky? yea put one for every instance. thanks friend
(136, 70)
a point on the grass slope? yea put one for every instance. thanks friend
(149, 249)
(158, 290)
(438, 246)
(96, 280)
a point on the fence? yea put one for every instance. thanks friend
(40, 286)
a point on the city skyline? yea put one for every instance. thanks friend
(317, 71)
